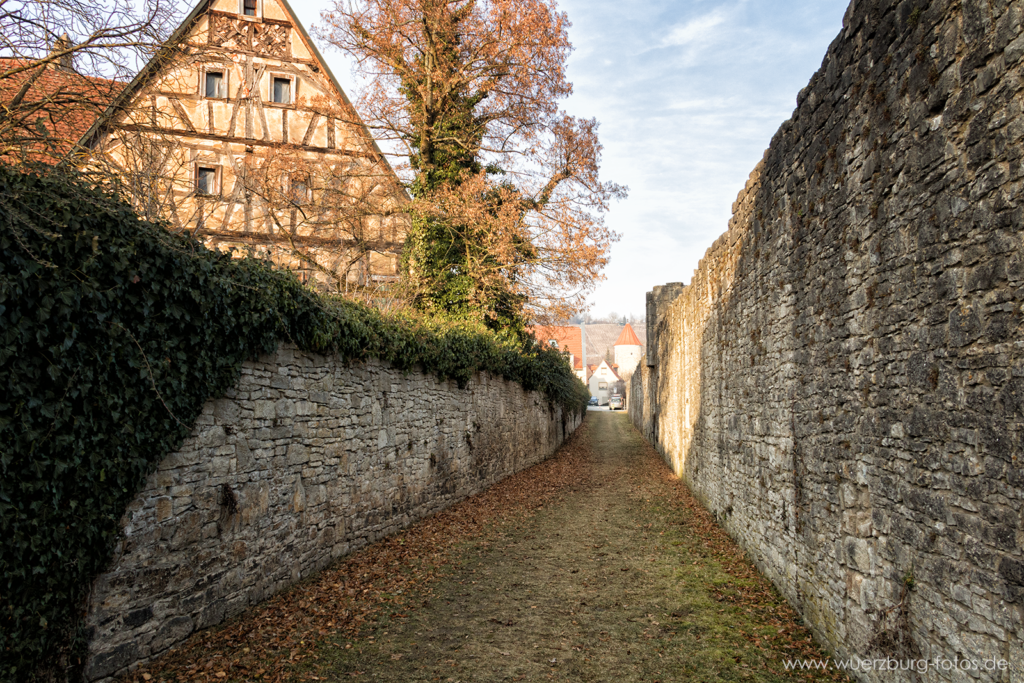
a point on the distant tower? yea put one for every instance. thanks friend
(627, 351)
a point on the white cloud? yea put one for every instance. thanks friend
(694, 30)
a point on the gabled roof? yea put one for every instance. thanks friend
(611, 367)
(568, 337)
(628, 337)
(167, 55)
(67, 102)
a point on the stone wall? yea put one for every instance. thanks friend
(842, 381)
(304, 461)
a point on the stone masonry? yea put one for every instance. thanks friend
(842, 381)
(305, 460)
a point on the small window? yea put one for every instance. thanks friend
(281, 90)
(206, 180)
(249, 8)
(215, 85)
(602, 385)
(298, 191)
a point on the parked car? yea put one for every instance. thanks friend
(615, 403)
(592, 401)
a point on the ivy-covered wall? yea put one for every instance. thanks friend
(114, 334)
(304, 460)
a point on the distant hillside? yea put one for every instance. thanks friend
(601, 338)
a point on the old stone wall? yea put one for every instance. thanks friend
(305, 460)
(842, 381)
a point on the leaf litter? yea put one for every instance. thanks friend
(268, 641)
(331, 626)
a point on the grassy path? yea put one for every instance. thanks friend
(620, 577)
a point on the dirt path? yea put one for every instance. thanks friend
(620, 578)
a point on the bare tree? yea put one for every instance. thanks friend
(340, 223)
(61, 64)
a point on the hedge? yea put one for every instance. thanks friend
(113, 334)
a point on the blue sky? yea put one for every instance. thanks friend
(689, 94)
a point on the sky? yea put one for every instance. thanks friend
(689, 94)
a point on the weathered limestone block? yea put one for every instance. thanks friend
(307, 459)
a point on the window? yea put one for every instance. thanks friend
(206, 180)
(249, 8)
(602, 385)
(215, 84)
(281, 90)
(298, 190)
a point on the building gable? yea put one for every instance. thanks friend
(238, 132)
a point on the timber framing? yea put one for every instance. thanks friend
(238, 132)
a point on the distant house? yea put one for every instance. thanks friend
(604, 381)
(565, 338)
(610, 376)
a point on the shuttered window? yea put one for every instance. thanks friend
(298, 190)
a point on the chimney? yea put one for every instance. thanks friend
(64, 62)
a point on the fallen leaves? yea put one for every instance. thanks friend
(274, 640)
(282, 639)
(783, 637)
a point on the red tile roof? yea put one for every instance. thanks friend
(568, 337)
(65, 102)
(628, 337)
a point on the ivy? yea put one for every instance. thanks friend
(113, 334)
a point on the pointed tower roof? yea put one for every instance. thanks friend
(627, 337)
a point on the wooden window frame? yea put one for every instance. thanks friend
(225, 72)
(218, 172)
(293, 91)
(259, 11)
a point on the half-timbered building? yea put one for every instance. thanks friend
(238, 132)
